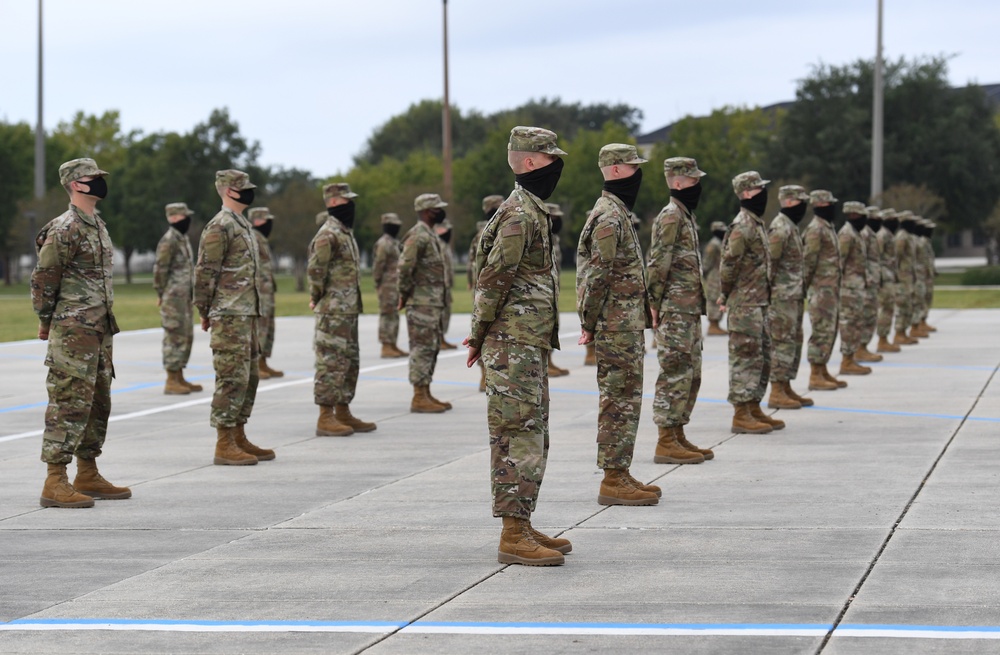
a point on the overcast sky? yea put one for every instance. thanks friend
(311, 79)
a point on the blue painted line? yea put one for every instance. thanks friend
(922, 628)
(629, 626)
(134, 387)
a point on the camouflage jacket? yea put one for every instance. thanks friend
(71, 284)
(710, 268)
(821, 256)
(887, 253)
(470, 271)
(610, 279)
(226, 281)
(421, 268)
(556, 263)
(873, 276)
(746, 263)
(905, 251)
(334, 283)
(931, 267)
(674, 269)
(853, 258)
(173, 270)
(385, 262)
(265, 270)
(515, 298)
(449, 271)
(785, 246)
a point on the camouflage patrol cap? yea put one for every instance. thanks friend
(792, 192)
(873, 212)
(821, 195)
(492, 202)
(338, 190)
(428, 201)
(259, 214)
(534, 139)
(853, 207)
(177, 208)
(619, 153)
(717, 226)
(74, 169)
(748, 180)
(678, 166)
(553, 209)
(887, 214)
(390, 218)
(905, 215)
(233, 179)
(322, 216)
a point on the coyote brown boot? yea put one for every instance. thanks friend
(683, 440)
(555, 371)
(328, 426)
(343, 414)
(518, 546)
(262, 370)
(189, 385)
(829, 378)
(927, 326)
(240, 438)
(818, 381)
(271, 373)
(58, 492)
(850, 367)
(805, 402)
(422, 402)
(885, 347)
(917, 330)
(89, 481)
(443, 403)
(447, 346)
(616, 489)
(714, 330)
(779, 398)
(863, 355)
(388, 351)
(175, 385)
(745, 423)
(903, 340)
(758, 413)
(590, 359)
(227, 453)
(669, 449)
(545, 541)
(652, 488)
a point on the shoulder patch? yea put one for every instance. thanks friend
(605, 232)
(511, 230)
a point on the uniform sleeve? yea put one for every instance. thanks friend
(592, 284)
(161, 266)
(661, 250)
(470, 270)
(319, 264)
(733, 248)
(211, 250)
(497, 274)
(810, 257)
(54, 255)
(846, 243)
(407, 262)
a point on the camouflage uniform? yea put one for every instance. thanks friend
(745, 271)
(613, 305)
(227, 291)
(449, 276)
(905, 252)
(710, 272)
(931, 272)
(873, 280)
(421, 274)
(335, 292)
(677, 293)
(786, 310)
(265, 324)
(920, 270)
(821, 280)
(173, 281)
(384, 271)
(853, 283)
(515, 324)
(887, 292)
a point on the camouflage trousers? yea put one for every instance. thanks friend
(886, 308)
(235, 356)
(388, 314)
(619, 382)
(928, 297)
(177, 318)
(265, 334)
(852, 318)
(79, 386)
(446, 314)
(823, 312)
(338, 359)
(749, 354)
(678, 349)
(713, 288)
(871, 315)
(423, 324)
(919, 302)
(904, 305)
(517, 412)
(785, 319)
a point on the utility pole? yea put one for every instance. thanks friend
(877, 117)
(39, 125)
(446, 116)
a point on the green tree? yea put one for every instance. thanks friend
(16, 174)
(294, 197)
(419, 129)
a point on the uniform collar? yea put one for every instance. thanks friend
(533, 198)
(87, 218)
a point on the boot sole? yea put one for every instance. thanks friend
(833, 388)
(766, 430)
(97, 495)
(853, 373)
(427, 411)
(639, 502)
(808, 404)
(661, 459)
(177, 393)
(371, 429)
(778, 427)
(507, 558)
(264, 458)
(783, 406)
(49, 502)
(218, 461)
(324, 433)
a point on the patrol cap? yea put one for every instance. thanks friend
(233, 179)
(619, 153)
(175, 208)
(428, 201)
(854, 207)
(534, 139)
(821, 195)
(905, 215)
(553, 209)
(492, 202)
(259, 214)
(887, 214)
(321, 217)
(874, 212)
(338, 190)
(792, 192)
(74, 169)
(389, 218)
(748, 180)
(686, 166)
(718, 226)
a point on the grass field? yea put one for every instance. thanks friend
(135, 304)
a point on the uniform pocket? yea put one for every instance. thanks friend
(74, 351)
(514, 370)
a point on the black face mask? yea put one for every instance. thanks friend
(892, 225)
(688, 196)
(488, 214)
(97, 187)
(391, 229)
(875, 224)
(541, 181)
(757, 204)
(556, 224)
(265, 228)
(438, 216)
(182, 225)
(343, 213)
(627, 188)
(719, 234)
(795, 212)
(826, 212)
(910, 227)
(858, 223)
(445, 236)
(245, 196)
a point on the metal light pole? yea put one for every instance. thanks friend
(877, 117)
(39, 125)
(446, 116)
